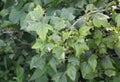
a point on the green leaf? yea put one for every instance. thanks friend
(117, 47)
(81, 3)
(110, 41)
(15, 15)
(42, 31)
(42, 79)
(47, 1)
(110, 73)
(63, 78)
(56, 38)
(71, 72)
(102, 49)
(37, 62)
(90, 7)
(59, 77)
(85, 69)
(57, 23)
(65, 13)
(59, 52)
(2, 43)
(97, 37)
(50, 46)
(20, 73)
(38, 2)
(107, 63)
(101, 20)
(74, 60)
(32, 20)
(116, 78)
(53, 64)
(38, 74)
(117, 20)
(92, 61)
(92, 1)
(4, 12)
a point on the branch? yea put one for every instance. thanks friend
(84, 16)
(16, 2)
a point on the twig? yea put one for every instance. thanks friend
(84, 16)
(16, 2)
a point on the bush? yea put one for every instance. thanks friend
(59, 41)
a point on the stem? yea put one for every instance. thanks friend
(84, 16)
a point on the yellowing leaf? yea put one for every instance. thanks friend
(39, 44)
(80, 47)
(42, 31)
(84, 30)
(65, 35)
(110, 73)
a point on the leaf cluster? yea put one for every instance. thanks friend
(59, 41)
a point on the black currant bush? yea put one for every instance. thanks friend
(59, 41)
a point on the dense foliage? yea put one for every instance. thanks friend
(59, 41)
